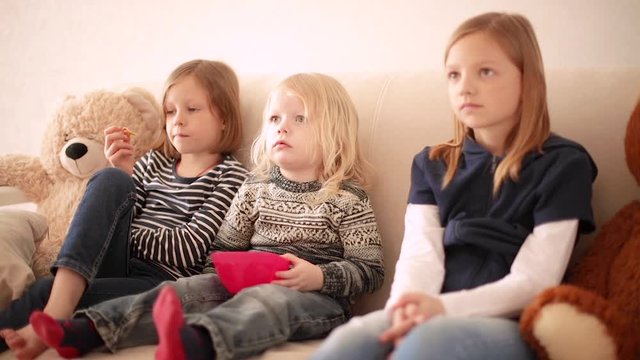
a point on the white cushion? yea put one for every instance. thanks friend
(20, 231)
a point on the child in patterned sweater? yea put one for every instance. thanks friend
(304, 202)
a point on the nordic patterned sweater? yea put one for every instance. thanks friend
(339, 234)
(175, 218)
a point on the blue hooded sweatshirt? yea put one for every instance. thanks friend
(483, 231)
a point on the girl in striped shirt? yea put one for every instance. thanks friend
(142, 223)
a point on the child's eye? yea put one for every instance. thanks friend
(300, 118)
(192, 109)
(486, 72)
(274, 118)
(169, 112)
(453, 75)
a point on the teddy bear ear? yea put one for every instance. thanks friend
(146, 104)
(632, 143)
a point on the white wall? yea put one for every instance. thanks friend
(49, 48)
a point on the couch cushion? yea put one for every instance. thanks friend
(20, 231)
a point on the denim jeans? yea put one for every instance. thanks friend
(443, 337)
(244, 325)
(97, 247)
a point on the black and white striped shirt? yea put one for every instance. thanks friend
(175, 218)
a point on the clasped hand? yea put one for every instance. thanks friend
(410, 310)
(302, 276)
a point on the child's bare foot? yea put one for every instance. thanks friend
(24, 343)
(12, 338)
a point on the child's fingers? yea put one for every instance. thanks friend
(117, 134)
(396, 331)
(117, 152)
(406, 299)
(112, 129)
(114, 137)
(285, 274)
(294, 259)
(116, 147)
(410, 311)
(120, 155)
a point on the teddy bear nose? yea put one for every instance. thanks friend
(76, 151)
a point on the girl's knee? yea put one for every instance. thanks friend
(114, 179)
(268, 292)
(353, 340)
(367, 328)
(436, 336)
(462, 338)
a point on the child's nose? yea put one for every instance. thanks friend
(466, 85)
(178, 119)
(282, 126)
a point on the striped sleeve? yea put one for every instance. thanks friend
(138, 176)
(182, 249)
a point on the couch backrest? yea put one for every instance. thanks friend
(402, 113)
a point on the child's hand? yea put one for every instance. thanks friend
(118, 148)
(410, 310)
(303, 275)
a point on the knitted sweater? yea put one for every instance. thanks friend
(339, 233)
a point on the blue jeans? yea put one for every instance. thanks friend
(244, 325)
(97, 247)
(442, 337)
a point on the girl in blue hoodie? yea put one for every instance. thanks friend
(493, 213)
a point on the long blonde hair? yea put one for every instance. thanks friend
(223, 90)
(516, 37)
(329, 107)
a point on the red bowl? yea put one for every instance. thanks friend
(240, 269)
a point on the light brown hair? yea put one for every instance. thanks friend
(223, 89)
(516, 37)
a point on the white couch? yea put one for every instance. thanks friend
(401, 113)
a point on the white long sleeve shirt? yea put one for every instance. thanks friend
(540, 263)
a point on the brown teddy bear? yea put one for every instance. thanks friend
(73, 149)
(597, 314)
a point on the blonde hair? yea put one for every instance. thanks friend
(329, 107)
(516, 37)
(223, 89)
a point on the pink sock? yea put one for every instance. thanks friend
(167, 315)
(52, 333)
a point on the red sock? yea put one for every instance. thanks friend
(167, 315)
(70, 338)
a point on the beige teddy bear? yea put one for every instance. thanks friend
(73, 149)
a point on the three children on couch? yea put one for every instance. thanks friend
(492, 218)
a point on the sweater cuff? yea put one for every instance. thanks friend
(333, 283)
